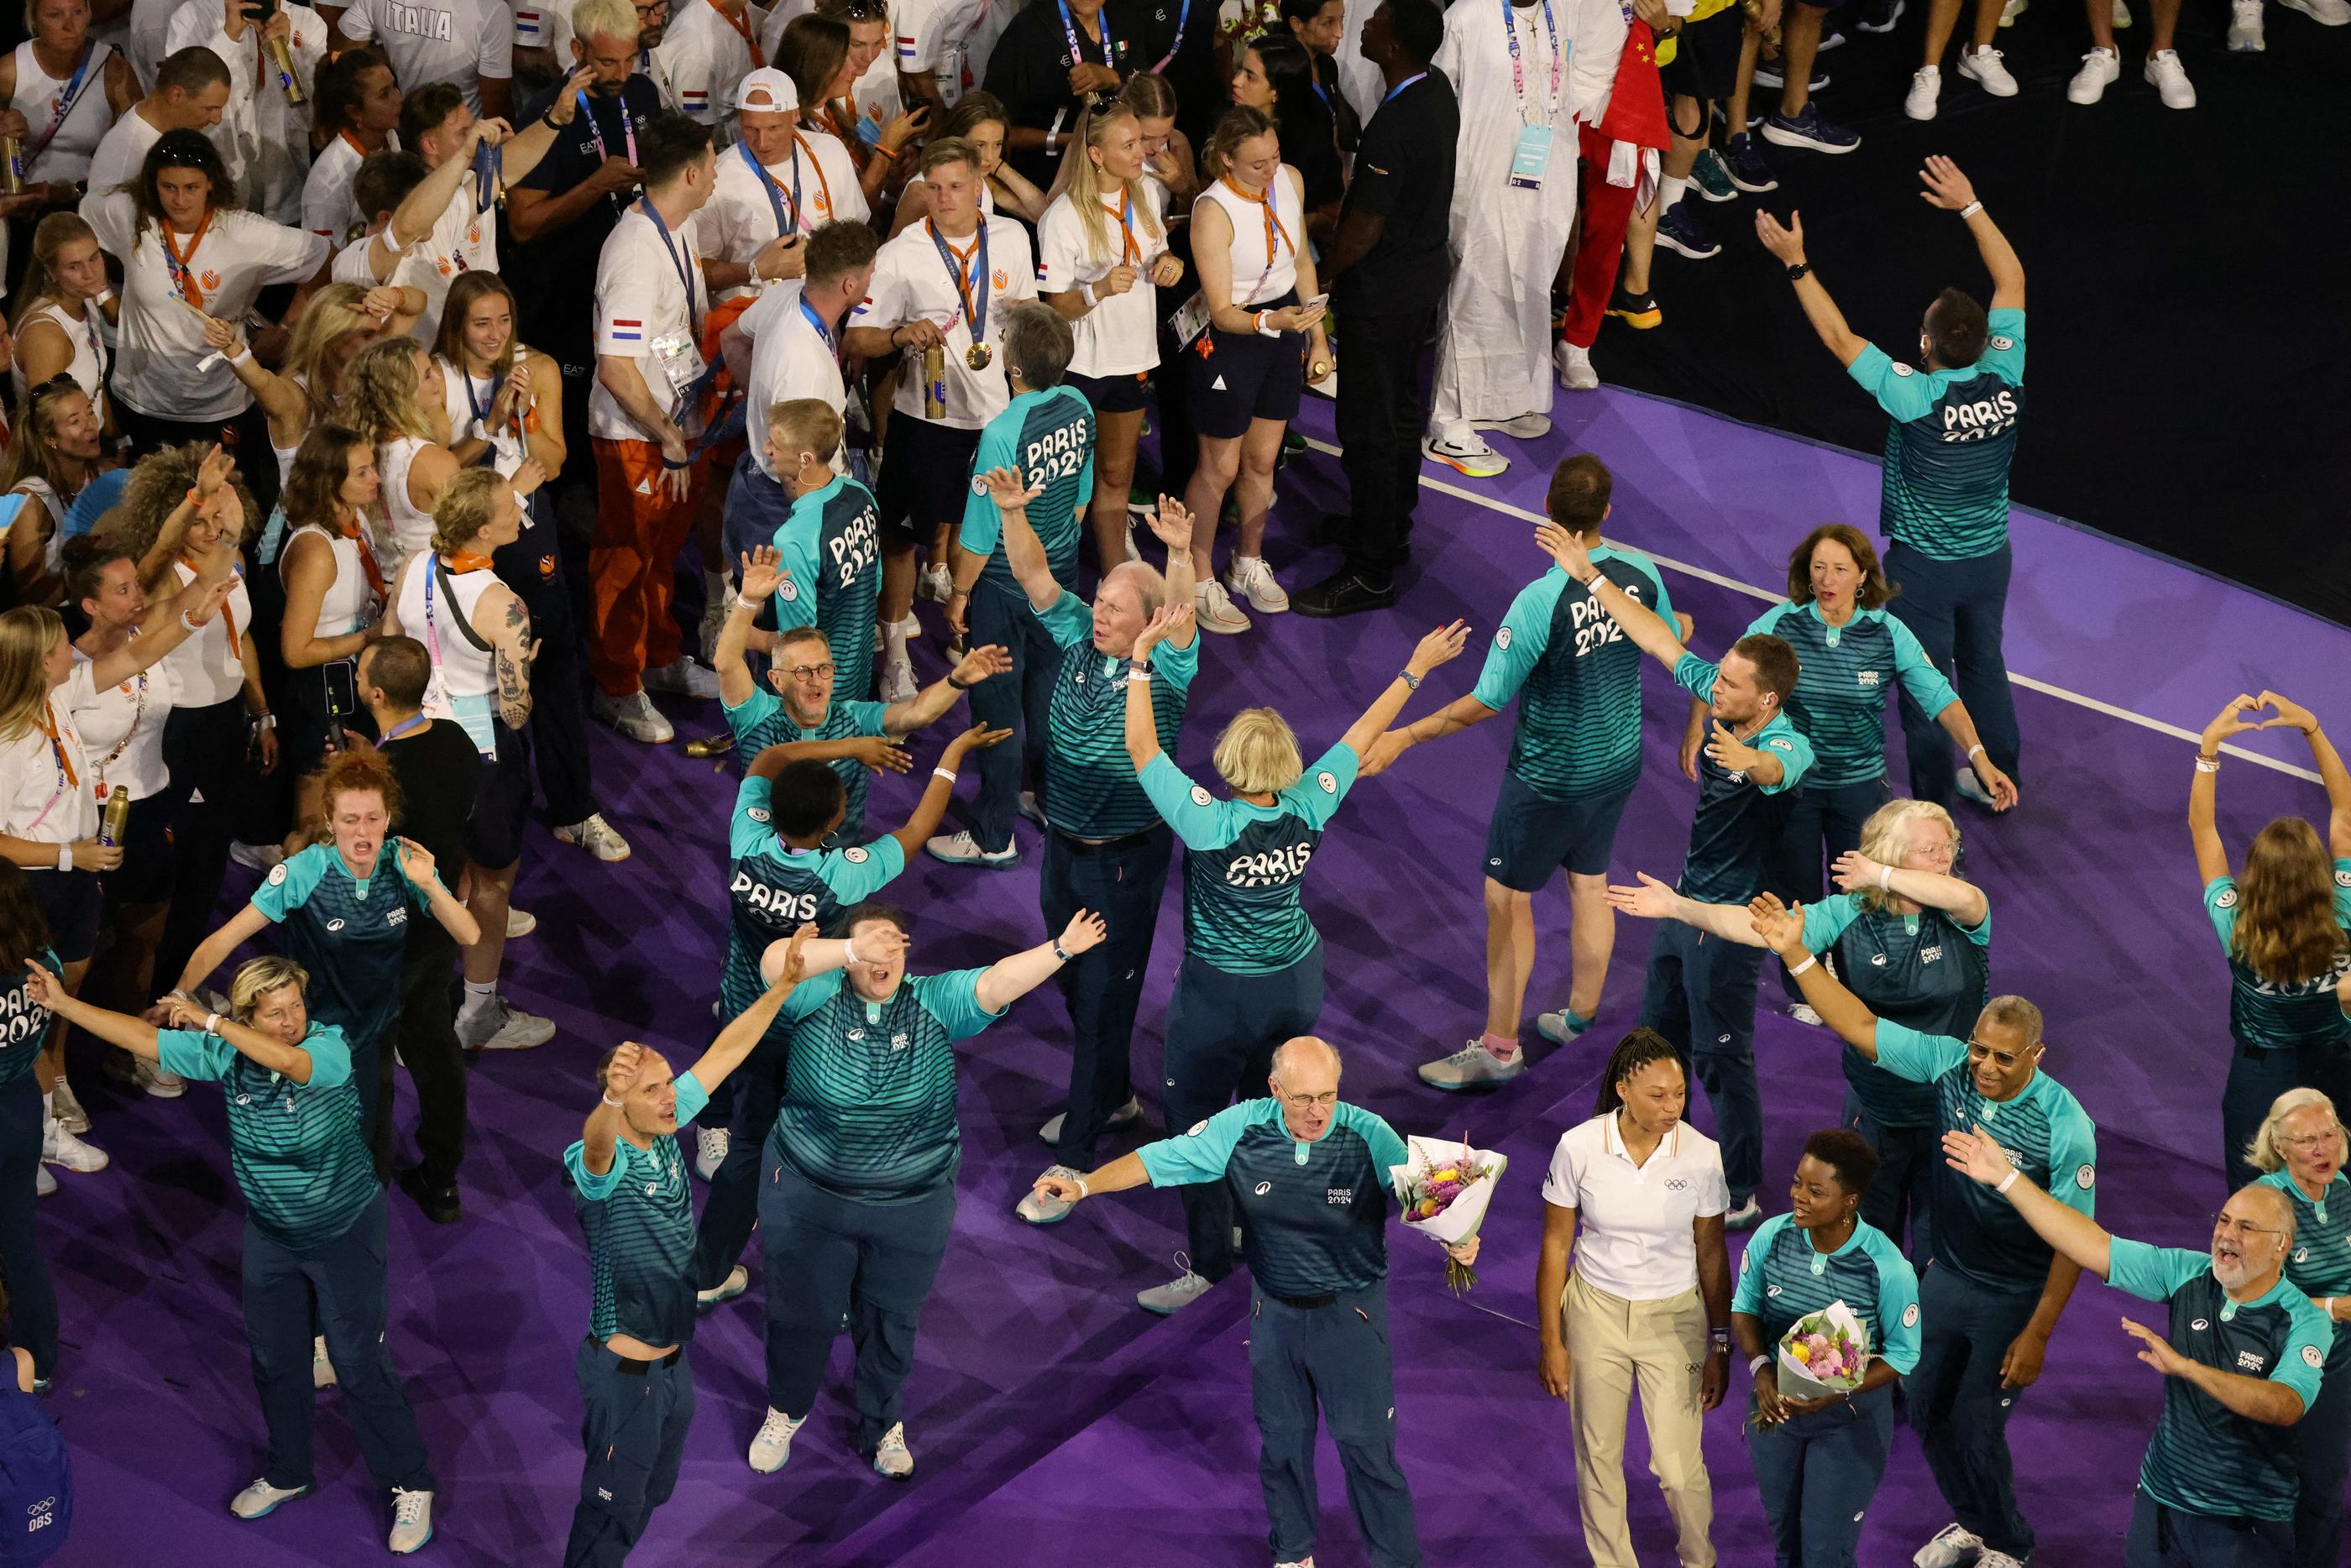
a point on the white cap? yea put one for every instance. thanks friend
(780, 94)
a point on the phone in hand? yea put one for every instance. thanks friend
(259, 10)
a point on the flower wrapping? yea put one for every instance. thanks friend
(1445, 1188)
(1825, 1354)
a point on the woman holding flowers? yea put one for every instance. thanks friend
(1648, 1302)
(1818, 1460)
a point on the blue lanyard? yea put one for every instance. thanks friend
(413, 722)
(1102, 21)
(1408, 81)
(1517, 72)
(489, 164)
(786, 225)
(66, 101)
(821, 329)
(976, 313)
(685, 272)
(1177, 47)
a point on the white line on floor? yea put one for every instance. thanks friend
(1444, 487)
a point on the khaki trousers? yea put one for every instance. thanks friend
(1660, 1346)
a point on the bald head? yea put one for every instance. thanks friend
(2269, 1207)
(1297, 1060)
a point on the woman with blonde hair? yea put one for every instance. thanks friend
(2301, 1145)
(2283, 922)
(392, 395)
(65, 307)
(51, 456)
(1252, 971)
(334, 590)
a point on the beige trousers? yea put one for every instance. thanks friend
(1660, 1346)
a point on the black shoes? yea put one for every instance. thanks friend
(1345, 594)
(439, 1203)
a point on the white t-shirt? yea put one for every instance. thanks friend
(707, 58)
(264, 139)
(122, 729)
(464, 239)
(329, 207)
(162, 341)
(150, 20)
(789, 359)
(934, 36)
(545, 24)
(44, 785)
(1632, 1222)
(641, 304)
(740, 219)
(1120, 336)
(352, 264)
(911, 280)
(208, 668)
(448, 41)
(120, 157)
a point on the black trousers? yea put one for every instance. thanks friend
(245, 437)
(1382, 409)
(559, 693)
(427, 1041)
(31, 1299)
(206, 749)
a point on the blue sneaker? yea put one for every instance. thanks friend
(1680, 231)
(1808, 130)
(1711, 180)
(1744, 163)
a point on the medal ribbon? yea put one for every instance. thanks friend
(954, 259)
(1131, 253)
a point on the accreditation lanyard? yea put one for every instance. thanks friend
(1102, 24)
(789, 209)
(1276, 235)
(407, 726)
(521, 422)
(685, 272)
(67, 778)
(1518, 68)
(822, 331)
(183, 267)
(973, 293)
(1408, 81)
(742, 26)
(136, 690)
(1173, 49)
(595, 134)
(66, 100)
(1130, 253)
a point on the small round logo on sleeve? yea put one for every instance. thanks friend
(758, 814)
(1502, 639)
(2002, 344)
(1195, 1129)
(856, 856)
(277, 875)
(1910, 1315)
(2227, 898)
(1200, 796)
(787, 589)
(2343, 878)
(979, 486)
(2312, 1356)
(1904, 371)
(1328, 781)
(2087, 1177)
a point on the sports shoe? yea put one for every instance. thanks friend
(322, 1365)
(2325, 13)
(1808, 130)
(68, 1109)
(1126, 1115)
(1954, 1545)
(260, 1499)
(706, 635)
(154, 1082)
(1803, 1013)
(599, 837)
(1768, 75)
(43, 1184)
(520, 923)
(1830, 39)
(2100, 69)
(710, 1146)
(1178, 1293)
(1745, 163)
(1711, 179)
(961, 848)
(1573, 364)
(439, 1204)
(1300, 1562)
(1991, 1559)
(1925, 87)
(891, 1461)
(1879, 15)
(1473, 1067)
(683, 678)
(1344, 593)
(1518, 427)
(737, 1281)
(898, 683)
(1638, 311)
(2012, 10)
(1681, 232)
(2245, 28)
(1560, 1027)
(773, 1446)
(1252, 579)
(412, 1520)
(1041, 1209)
(2169, 78)
(499, 1027)
(634, 716)
(59, 1147)
(937, 583)
(1328, 386)
(1983, 67)
(1970, 788)
(1467, 455)
(257, 856)
(1031, 811)
(1745, 1216)
(1214, 610)
(1134, 550)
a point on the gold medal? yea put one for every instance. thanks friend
(977, 356)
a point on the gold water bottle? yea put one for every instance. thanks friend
(116, 818)
(283, 59)
(935, 382)
(12, 166)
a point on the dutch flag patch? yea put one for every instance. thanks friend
(628, 331)
(694, 99)
(529, 29)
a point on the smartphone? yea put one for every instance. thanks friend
(259, 10)
(1318, 302)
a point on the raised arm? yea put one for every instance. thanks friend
(1008, 979)
(1142, 720)
(2074, 1234)
(421, 209)
(736, 682)
(212, 951)
(1963, 901)
(748, 1027)
(2331, 772)
(183, 613)
(1948, 188)
(2204, 788)
(416, 864)
(1023, 551)
(135, 1035)
(1651, 899)
(1783, 930)
(932, 809)
(929, 705)
(1646, 628)
(1787, 246)
(1439, 647)
(1172, 524)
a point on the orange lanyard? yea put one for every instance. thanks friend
(1274, 230)
(1119, 215)
(743, 30)
(48, 722)
(351, 529)
(229, 617)
(183, 267)
(800, 148)
(463, 561)
(356, 145)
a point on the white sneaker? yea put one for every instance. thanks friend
(1177, 1294)
(936, 584)
(1925, 87)
(1984, 66)
(1216, 611)
(1574, 367)
(1803, 1013)
(68, 1109)
(412, 1520)
(59, 1147)
(773, 1446)
(1953, 1545)
(520, 923)
(1250, 577)
(257, 856)
(683, 678)
(43, 1184)
(260, 1499)
(596, 837)
(2245, 28)
(898, 682)
(891, 1459)
(1300, 1562)
(1990, 1558)
(1126, 1115)
(1467, 455)
(705, 636)
(2012, 10)
(635, 717)
(1555, 1027)
(2169, 78)
(1473, 1067)
(710, 1144)
(1971, 788)
(737, 1281)
(1134, 550)
(960, 848)
(2325, 13)
(2101, 69)
(323, 1368)
(499, 1027)
(155, 1082)
(1041, 1209)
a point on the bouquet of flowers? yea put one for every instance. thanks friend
(1445, 1188)
(1823, 1354)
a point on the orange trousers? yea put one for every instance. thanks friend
(633, 562)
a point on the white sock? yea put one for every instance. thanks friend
(894, 640)
(479, 995)
(1669, 190)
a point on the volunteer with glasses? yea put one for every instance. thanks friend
(2301, 1144)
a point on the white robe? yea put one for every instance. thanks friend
(1493, 359)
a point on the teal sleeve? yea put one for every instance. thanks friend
(1825, 921)
(1201, 1154)
(983, 525)
(954, 1000)
(594, 1188)
(1921, 1058)
(193, 1055)
(1768, 623)
(1519, 640)
(1916, 671)
(1695, 676)
(2073, 1157)
(291, 882)
(330, 1057)
(796, 593)
(861, 872)
(1387, 1149)
(1980, 932)
(1748, 1296)
(2151, 1273)
(2003, 353)
(1317, 795)
(1199, 819)
(2309, 1336)
(810, 995)
(2221, 898)
(1661, 601)
(1899, 390)
(754, 711)
(1784, 740)
(1174, 665)
(1070, 622)
(2342, 892)
(691, 1095)
(751, 832)
(865, 716)
(1897, 1306)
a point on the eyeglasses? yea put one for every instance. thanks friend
(2225, 1226)
(811, 671)
(1978, 1052)
(1322, 1102)
(658, 8)
(2315, 1140)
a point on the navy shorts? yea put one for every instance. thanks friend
(1113, 394)
(925, 477)
(501, 802)
(146, 875)
(72, 901)
(1237, 378)
(1706, 59)
(1532, 835)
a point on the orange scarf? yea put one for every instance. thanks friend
(350, 528)
(229, 616)
(185, 272)
(463, 561)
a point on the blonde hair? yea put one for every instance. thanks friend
(54, 234)
(332, 316)
(465, 507)
(380, 391)
(28, 635)
(2266, 1152)
(257, 978)
(604, 19)
(1886, 839)
(805, 424)
(1258, 753)
(1088, 190)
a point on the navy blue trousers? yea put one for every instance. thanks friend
(1015, 701)
(1104, 987)
(634, 1433)
(1700, 996)
(32, 1299)
(1958, 1408)
(1817, 1474)
(2164, 1537)
(1954, 609)
(1330, 1363)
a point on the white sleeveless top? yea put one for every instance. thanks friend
(66, 158)
(209, 667)
(122, 729)
(25, 495)
(349, 603)
(1258, 276)
(90, 355)
(466, 670)
(511, 451)
(411, 531)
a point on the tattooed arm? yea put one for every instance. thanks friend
(499, 616)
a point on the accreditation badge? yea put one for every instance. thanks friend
(1530, 156)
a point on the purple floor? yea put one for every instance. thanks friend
(1055, 1425)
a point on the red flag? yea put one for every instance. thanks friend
(1636, 104)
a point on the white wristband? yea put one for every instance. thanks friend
(946, 774)
(1138, 677)
(1884, 878)
(2007, 1182)
(1973, 750)
(1086, 293)
(103, 297)
(1970, 209)
(212, 1022)
(1810, 959)
(244, 355)
(522, 504)
(2203, 766)
(1081, 1187)
(65, 856)
(613, 1103)
(1757, 1365)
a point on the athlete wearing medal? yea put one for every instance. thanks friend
(775, 187)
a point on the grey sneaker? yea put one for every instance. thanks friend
(520, 923)
(1746, 1216)
(596, 837)
(710, 1146)
(635, 717)
(683, 678)
(1030, 809)
(773, 1446)
(500, 1027)
(260, 1499)
(1126, 1115)
(737, 1282)
(961, 848)
(1039, 1209)
(1558, 1028)
(43, 1184)
(1473, 1067)
(1180, 1292)
(1954, 1545)
(891, 1457)
(412, 1520)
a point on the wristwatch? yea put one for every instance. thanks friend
(1799, 270)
